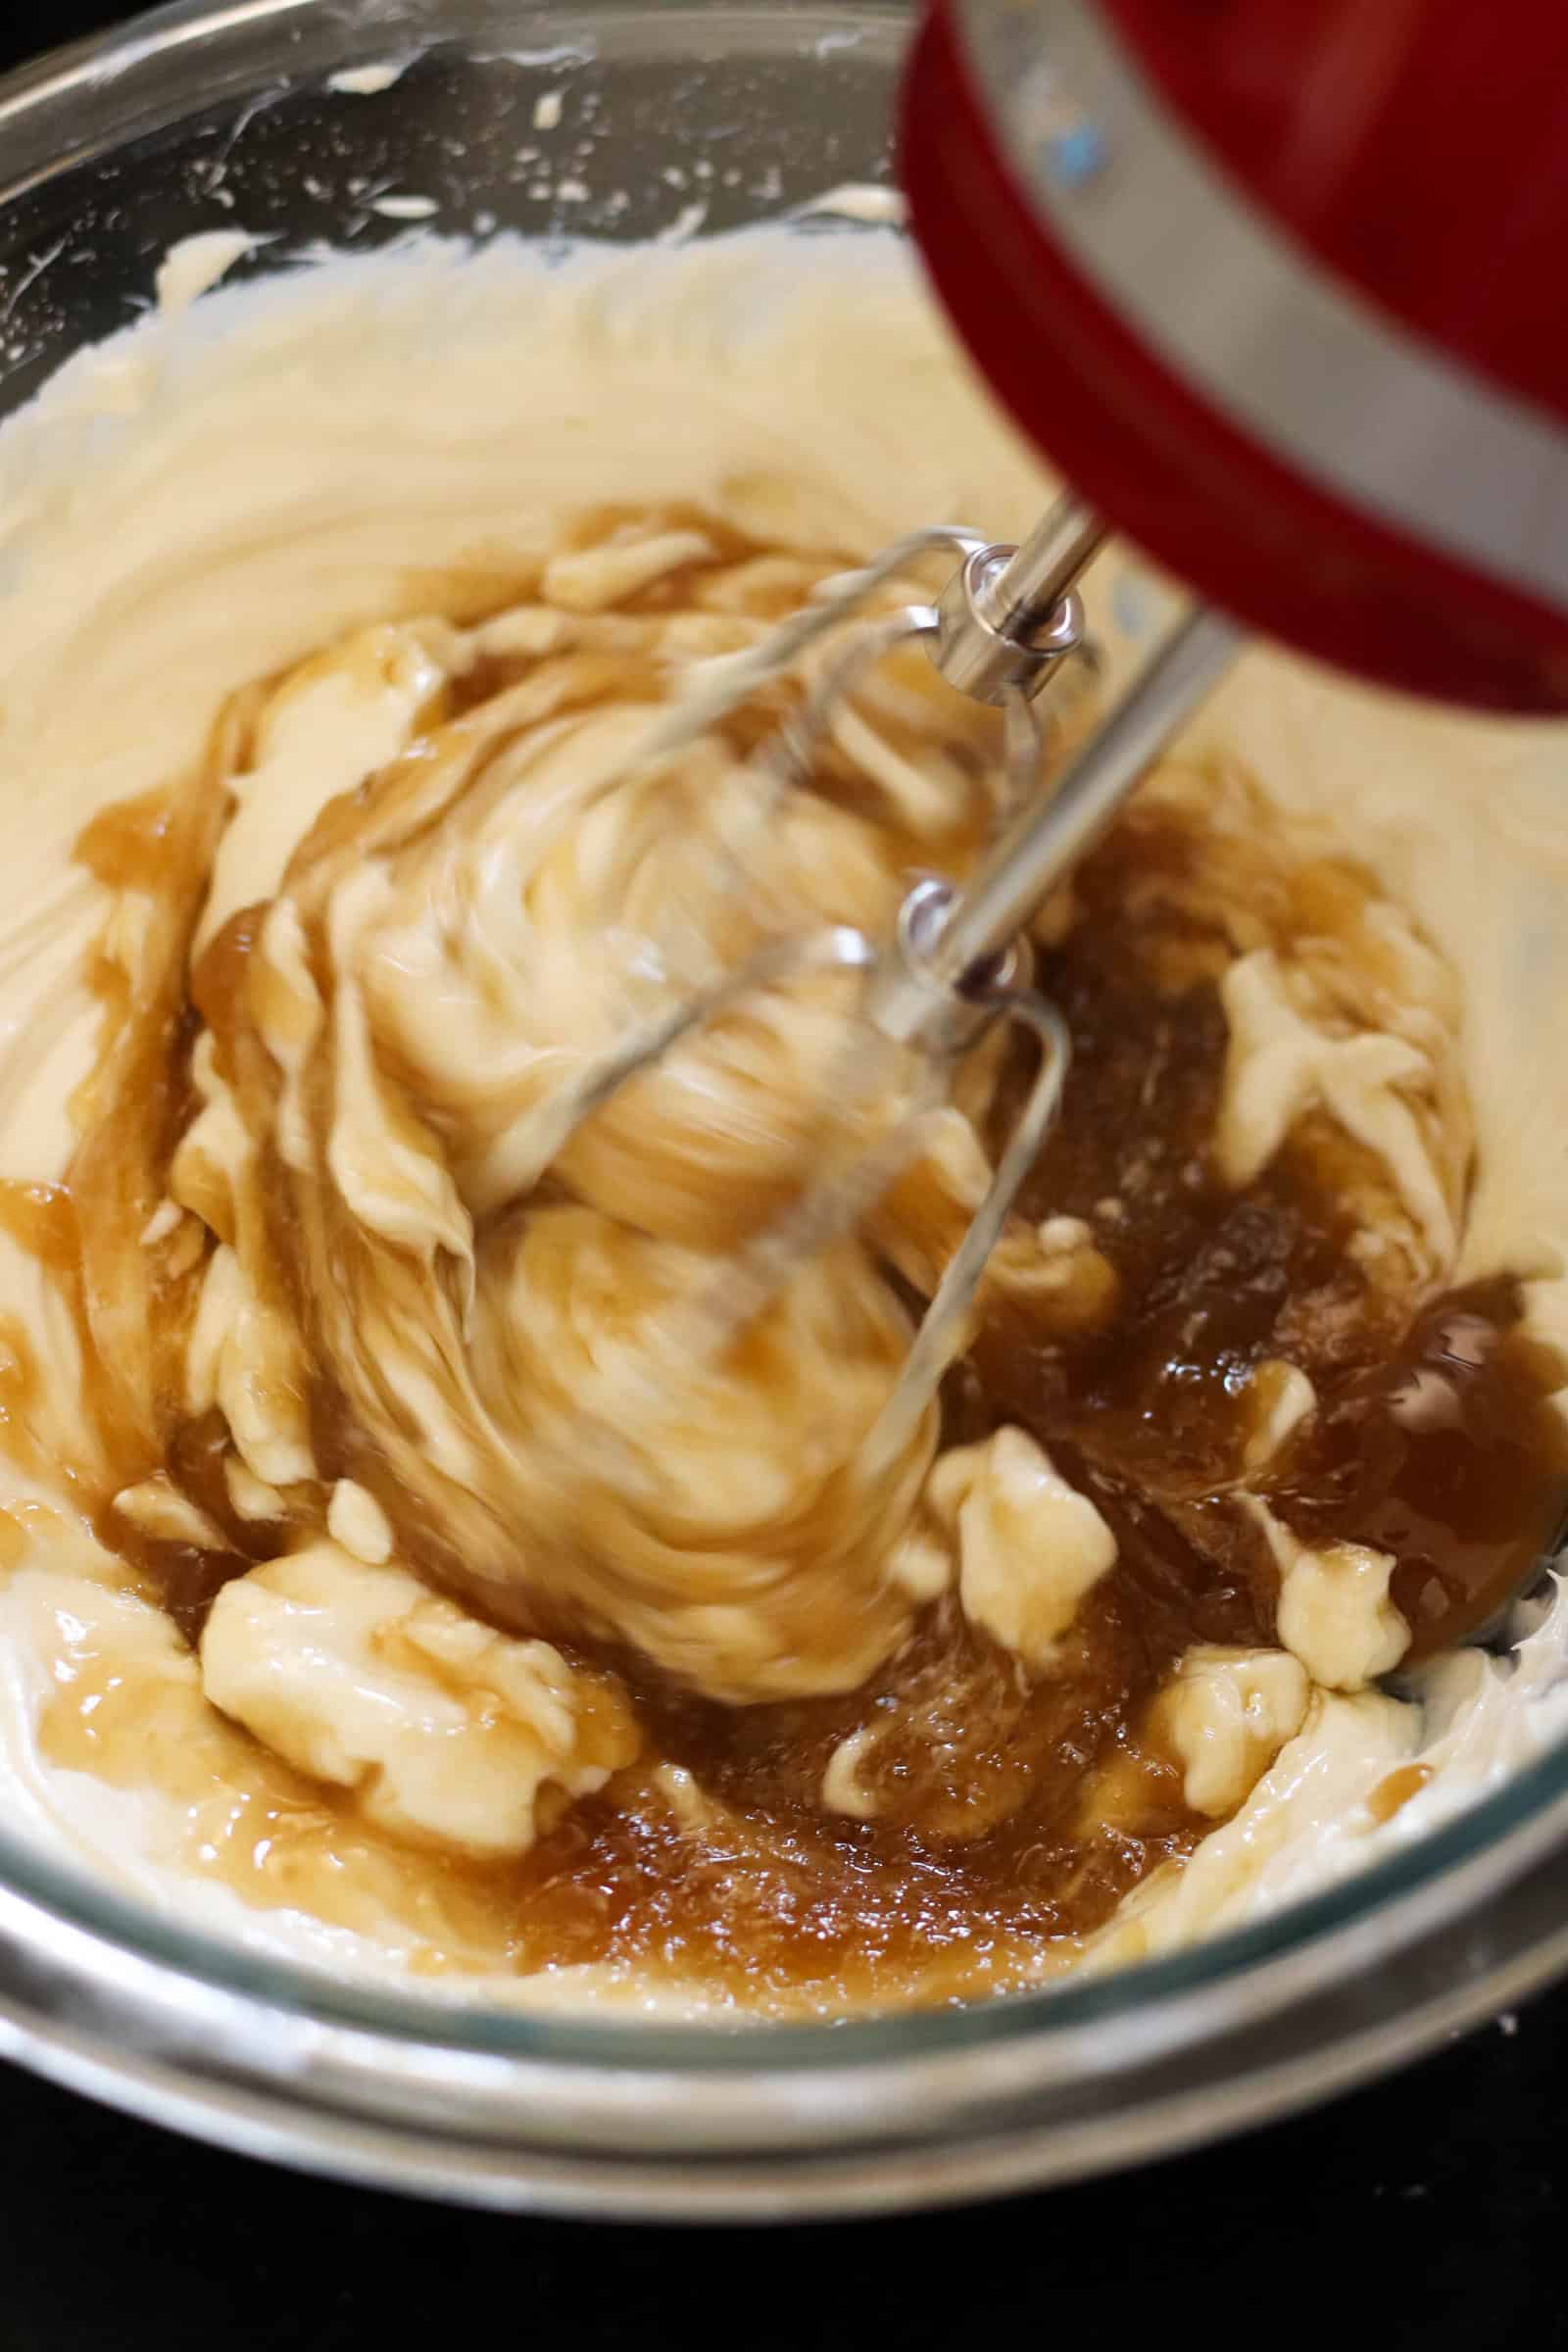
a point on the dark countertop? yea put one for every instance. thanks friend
(1427, 2205)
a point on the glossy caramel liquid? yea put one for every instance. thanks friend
(1011, 1815)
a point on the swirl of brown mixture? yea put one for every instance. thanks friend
(494, 1597)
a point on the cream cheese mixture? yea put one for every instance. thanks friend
(390, 1575)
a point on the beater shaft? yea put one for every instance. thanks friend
(1031, 583)
(1044, 841)
(1008, 617)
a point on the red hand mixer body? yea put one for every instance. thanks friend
(1274, 284)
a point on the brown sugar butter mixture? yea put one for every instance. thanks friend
(1001, 1807)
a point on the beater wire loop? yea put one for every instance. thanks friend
(945, 1327)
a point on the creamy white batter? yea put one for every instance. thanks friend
(244, 476)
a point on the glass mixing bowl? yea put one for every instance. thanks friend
(292, 116)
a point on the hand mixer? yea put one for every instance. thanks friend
(1271, 283)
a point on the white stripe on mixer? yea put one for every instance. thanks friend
(1356, 402)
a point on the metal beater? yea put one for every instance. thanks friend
(1000, 629)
